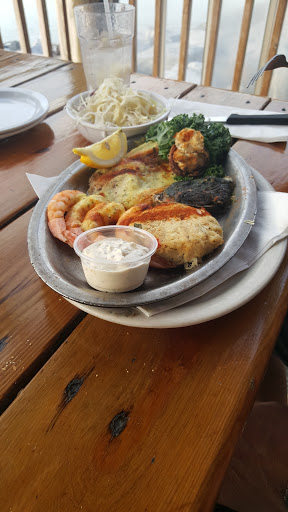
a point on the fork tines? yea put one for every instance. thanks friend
(257, 75)
(277, 61)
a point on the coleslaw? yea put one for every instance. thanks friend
(114, 104)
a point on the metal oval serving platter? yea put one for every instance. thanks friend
(59, 267)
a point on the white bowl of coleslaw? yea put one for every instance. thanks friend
(102, 112)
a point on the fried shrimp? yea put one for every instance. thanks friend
(59, 205)
(103, 214)
(76, 214)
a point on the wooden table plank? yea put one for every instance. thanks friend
(33, 318)
(52, 142)
(272, 161)
(164, 86)
(21, 68)
(60, 451)
(72, 80)
(6, 55)
(277, 106)
(276, 172)
(227, 98)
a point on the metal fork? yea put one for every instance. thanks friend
(278, 61)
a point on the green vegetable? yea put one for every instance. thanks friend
(213, 170)
(217, 138)
(217, 141)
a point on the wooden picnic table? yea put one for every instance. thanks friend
(98, 416)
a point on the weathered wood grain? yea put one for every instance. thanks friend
(271, 161)
(72, 80)
(278, 106)
(21, 68)
(6, 55)
(33, 318)
(164, 86)
(228, 98)
(45, 149)
(125, 418)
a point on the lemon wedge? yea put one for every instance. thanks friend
(105, 153)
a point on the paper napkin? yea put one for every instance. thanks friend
(39, 183)
(261, 133)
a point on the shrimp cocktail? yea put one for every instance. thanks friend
(106, 35)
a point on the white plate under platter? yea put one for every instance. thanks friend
(20, 110)
(229, 296)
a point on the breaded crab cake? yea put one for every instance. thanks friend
(188, 156)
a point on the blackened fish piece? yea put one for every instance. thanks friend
(212, 193)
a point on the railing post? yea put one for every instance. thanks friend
(185, 29)
(244, 33)
(159, 37)
(270, 43)
(21, 26)
(213, 18)
(44, 28)
(134, 48)
(63, 34)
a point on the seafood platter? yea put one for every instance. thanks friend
(180, 184)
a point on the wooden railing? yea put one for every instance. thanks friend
(69, 46)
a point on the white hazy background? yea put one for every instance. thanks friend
(226, 51)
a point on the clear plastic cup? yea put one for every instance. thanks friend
(113, 271)
(105, 41)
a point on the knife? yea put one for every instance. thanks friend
(250, 119)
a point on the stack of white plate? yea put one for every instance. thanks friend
(20, 110)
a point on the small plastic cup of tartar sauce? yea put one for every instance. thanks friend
(115, 258)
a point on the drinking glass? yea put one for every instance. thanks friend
(105, 33)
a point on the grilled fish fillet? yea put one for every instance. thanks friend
(212, 193)
(136, 178)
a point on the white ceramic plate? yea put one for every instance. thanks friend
(232, 294)
(94, 134)
(20, 110)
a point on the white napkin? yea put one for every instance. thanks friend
(39, 183)
(261, 133)
(271, 225)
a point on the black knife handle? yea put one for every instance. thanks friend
(258, 119)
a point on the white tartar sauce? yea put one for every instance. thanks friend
(115, 249)
(113, 264)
